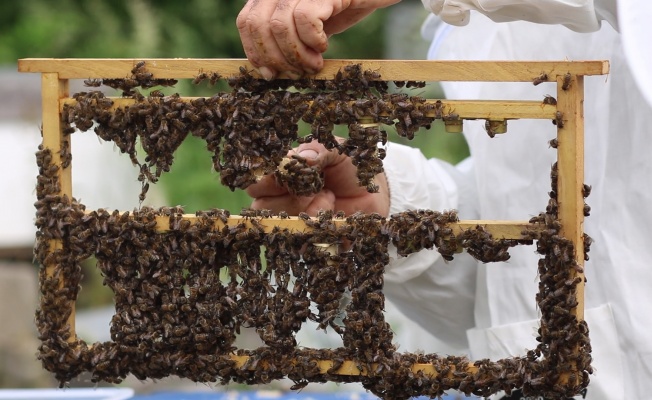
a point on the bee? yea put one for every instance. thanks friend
(451, 117)
(415, 84)
(549, 100)
(201, 76)
(139, 65)
(490, 131)
(214, 77)
(93, 82)
(372, 188)
(143, 192)
(566, 82)
(559, 121)
(65, 155)
(540, 79)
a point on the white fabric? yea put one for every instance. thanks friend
(101, 177)
(578, 15)
(430, 184)
(631, 17)
(636, 27)
(405, 190)
(512, 175)
(513, 339)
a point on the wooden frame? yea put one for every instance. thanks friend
(567, 112)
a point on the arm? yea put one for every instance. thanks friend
(578, 15)
(438, 295)
(289, 36)
(432, 184)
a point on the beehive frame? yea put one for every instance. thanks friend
(567, 112)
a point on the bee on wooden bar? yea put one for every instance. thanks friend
(201, 76)
(213, 78)
(93, 82)
(548, 99)
(540, 79)
(489, 129)
(567, 81)
(559, 121)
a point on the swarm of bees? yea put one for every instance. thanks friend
(250, 129)
(300, 178)
(183, 295)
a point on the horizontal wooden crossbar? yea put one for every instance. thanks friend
(498, 229)
(464, 109)
(391, 70)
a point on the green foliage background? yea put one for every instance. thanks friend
(175, 28)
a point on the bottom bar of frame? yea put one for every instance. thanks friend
(351, 368)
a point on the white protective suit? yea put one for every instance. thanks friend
(494, 304)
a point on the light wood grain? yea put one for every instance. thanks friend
(52, 90)
(351, 368)
(570, 165)
(499, 229)
(391, 70)
(465, 109)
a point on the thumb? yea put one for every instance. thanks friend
(316, 154)
(308, 154)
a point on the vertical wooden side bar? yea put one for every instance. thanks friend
(570, 166)
(53, 90)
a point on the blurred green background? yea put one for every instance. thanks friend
(201, 29)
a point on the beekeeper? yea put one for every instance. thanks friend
(490, 308)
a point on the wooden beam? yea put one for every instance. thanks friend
(52, 90)
(499, 229)
(465, 109)
(391, 70)
(570, 167)
(351, 368)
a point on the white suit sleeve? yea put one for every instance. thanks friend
(578, 15)
(634, 22)
(438, 295)
(415, 183)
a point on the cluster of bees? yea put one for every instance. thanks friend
(250, 129)
(183, 295)
(300, 178)
(563, 340)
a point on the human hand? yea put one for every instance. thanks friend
(289, 36)
(341, 191)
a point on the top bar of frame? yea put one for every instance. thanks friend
(389, 70)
